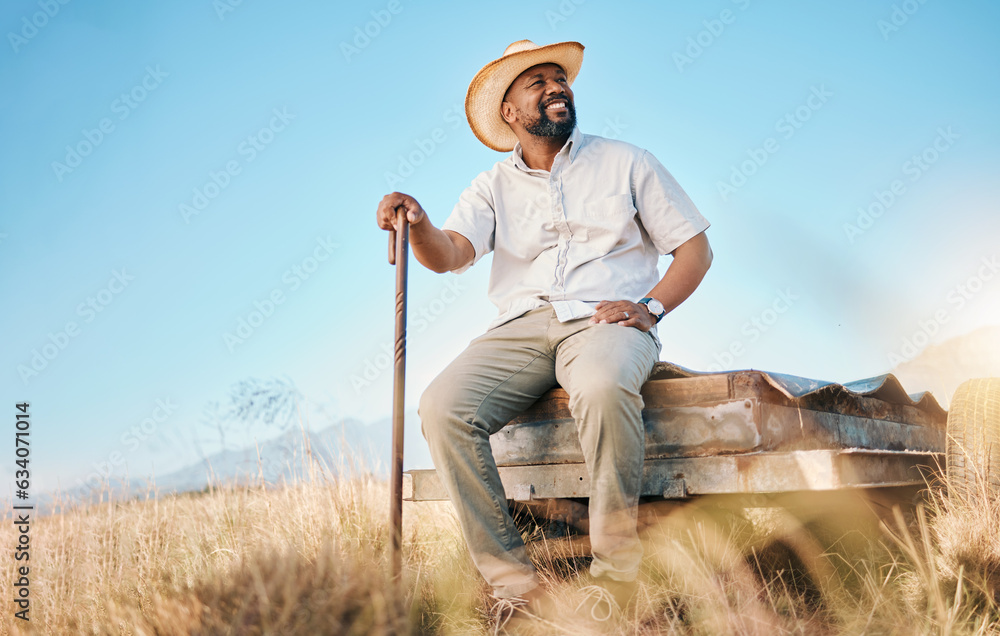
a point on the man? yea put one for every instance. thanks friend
(576, 223)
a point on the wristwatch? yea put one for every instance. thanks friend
(654, 307)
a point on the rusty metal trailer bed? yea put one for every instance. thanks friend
(738, 432)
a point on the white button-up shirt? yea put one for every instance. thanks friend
(592, 229)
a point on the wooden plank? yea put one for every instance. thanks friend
(735, 385)
(552, 406)
(697, 431)
(707, 389)
(833, 399)
(748, 473)
(679, 431)
(789, 428)
(728, 427)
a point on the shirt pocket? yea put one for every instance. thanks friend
(607, 223)
(525, 228)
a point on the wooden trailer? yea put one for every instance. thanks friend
(749, 433)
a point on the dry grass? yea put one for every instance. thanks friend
(312, 558)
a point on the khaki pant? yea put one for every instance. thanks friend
(499, 375)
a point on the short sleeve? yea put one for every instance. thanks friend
(474, 218)
(667, 213)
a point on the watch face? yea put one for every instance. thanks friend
(655, 306)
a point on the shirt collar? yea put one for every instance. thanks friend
(574, 142)
(572, 146)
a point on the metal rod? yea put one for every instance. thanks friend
(398, 240)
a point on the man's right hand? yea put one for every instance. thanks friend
(437, 250)
(386, 214)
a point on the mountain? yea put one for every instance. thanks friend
(349, 447)
(335, 450)
(941, 368)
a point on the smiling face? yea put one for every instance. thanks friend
(540, 102)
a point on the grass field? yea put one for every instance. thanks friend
(311, 557)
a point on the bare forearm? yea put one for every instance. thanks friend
(434, 248)
(437, 250)
(691, 261)
(685, 273)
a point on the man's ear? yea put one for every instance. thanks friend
(507, 112)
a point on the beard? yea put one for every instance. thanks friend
(542, 126)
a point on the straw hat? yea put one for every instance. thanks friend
(482, 102)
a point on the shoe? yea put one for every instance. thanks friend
(606, 598)
(509, 615)
(622, 591)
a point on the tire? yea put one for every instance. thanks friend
(973, 445)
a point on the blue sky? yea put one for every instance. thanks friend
(221, 159)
